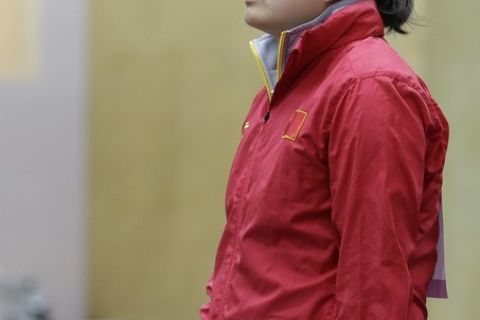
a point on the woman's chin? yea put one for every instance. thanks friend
(251, 19)
(255, 22)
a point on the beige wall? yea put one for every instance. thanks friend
(171, 84)
(454, 76)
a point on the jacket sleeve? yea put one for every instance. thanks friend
(376, 153)
(205, 308)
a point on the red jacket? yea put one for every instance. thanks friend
(333, 197)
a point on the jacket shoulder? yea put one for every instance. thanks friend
(371, 65)
(373, 56)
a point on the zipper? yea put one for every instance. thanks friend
(250, 164)
(240, 208)
(266, 117)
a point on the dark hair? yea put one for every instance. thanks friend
(395, 13)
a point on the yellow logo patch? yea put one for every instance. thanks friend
(294, 125)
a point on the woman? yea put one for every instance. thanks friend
(334, 195)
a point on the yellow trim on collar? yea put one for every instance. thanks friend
(281, 54)
(262, 69)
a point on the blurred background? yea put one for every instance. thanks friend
(118, 123)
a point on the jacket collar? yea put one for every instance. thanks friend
(342, 22)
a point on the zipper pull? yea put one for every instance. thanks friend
(266, 117)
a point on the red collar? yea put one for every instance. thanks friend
(280, 61)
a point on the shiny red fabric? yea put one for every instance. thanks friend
(332, 203)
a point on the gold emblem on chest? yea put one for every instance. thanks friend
(294, 125)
